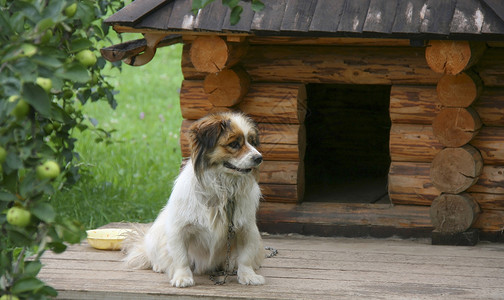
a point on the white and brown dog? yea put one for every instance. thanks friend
(218, 183)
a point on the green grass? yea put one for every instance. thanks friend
(131, 179)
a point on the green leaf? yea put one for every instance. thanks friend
(80, 44)
(257, 5)
(230, 3)
(74, 72)
(32, 268)
(44, 211)
(235, 15)
(26, 285)
(199, 4)
(36, 97)
(8, 197)
(57, 247)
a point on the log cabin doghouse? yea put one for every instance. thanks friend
(377, 117)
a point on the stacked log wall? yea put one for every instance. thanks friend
(277, 69)
(277, 108)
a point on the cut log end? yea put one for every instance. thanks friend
(212, 54)
(459, 90)
(228, 87)
(453, 213)
(453, 57)
(455, 127)
(454, 170)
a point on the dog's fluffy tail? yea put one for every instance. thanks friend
(134, 248)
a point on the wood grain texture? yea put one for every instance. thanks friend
(327, 15)
(227, 87)
(420, 105)
(454, 127)
(211, 54)
(270, 17)
(453, 57)
(454, 170)
(465, 20)
(437, 16)
(298, 15)
(380, 16)
(264, 102)
(412, 142)
(305, 268)
(354, 16)
(407, 17)
(410, 184)
(454, 213)
(459, 90)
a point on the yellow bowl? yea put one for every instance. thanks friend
(106, 239)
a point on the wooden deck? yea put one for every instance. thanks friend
(305, 268)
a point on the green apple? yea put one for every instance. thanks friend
(48, 128)
(46, 37)
(48, 170)
(29, 49)
(18, 216)
(9, 297)
(3, 154)
(45, 83)
(70, 10)
(21, 109)
(86, 57)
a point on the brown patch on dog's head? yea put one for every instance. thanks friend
(226, 140)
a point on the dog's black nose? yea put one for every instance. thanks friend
(257, 159)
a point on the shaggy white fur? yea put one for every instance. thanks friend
(191, 232)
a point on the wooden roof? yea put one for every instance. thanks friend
(413, 19)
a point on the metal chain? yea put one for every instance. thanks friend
(230, 236)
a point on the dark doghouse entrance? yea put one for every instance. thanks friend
(347, 154)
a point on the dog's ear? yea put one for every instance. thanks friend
(203, 137)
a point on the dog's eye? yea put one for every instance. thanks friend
(234, 145)
(253, 142)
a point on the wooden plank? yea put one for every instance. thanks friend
(467, 17)
(286, 40)
(159, 18)
(497, 6)
(305, 268)
(380, 16)
(133, 12)
(182, 16)
(345, 215)
(354, 15)
(211, 17)
(492, 23)
(270, 17)
(298, 15)
(246, 18)
(327, 15)
(407, 17)
(438, 16)
(328, 64)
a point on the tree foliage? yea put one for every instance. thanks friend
(236, 9)
(48, 69)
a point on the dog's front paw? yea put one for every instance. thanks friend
(249, 277)
(182, 278)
